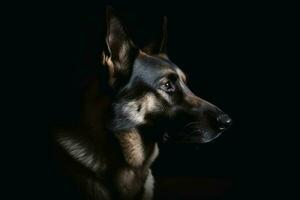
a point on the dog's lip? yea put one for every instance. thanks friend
(212, 138)
(165, 137)
(198, 137)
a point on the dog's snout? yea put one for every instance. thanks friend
(224, 121)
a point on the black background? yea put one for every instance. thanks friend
(232, 55)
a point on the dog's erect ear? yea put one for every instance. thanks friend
(119, 52)
(159, 45)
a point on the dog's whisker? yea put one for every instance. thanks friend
(191, 125)
(197, 131)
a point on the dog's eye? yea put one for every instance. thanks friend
(168, 87)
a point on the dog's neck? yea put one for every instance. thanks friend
(136, 151)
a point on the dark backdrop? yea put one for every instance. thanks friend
(230, 54)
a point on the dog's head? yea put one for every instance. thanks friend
(152, 92)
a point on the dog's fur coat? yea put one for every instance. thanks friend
(111, 152)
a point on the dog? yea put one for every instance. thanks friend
(111, 152)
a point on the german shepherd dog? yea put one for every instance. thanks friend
(111, 153)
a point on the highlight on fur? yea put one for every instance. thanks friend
(111, 151)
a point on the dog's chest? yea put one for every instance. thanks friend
(152, 155)
(136, 181)
(130, 181)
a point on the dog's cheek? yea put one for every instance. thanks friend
(135, 111)
(165, 96)
(151, 104)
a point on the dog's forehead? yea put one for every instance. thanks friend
(153, 67)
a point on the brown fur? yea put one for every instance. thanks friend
(129, 158)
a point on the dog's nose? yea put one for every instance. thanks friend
(224, 121)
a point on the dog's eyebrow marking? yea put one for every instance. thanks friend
(167, 73)
(170, 74)
(181, 74)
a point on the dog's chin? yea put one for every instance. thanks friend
(209, 136)
(198, 137)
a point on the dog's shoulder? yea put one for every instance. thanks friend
(78, 147)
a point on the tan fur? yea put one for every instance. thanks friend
(163, 55)
(181, 75)
(132, 147)
(93, 146)
(148, 104)
(153, 155)
(148, 187)
(125, 180)
(107, 61)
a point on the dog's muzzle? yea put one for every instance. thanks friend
(213, 128)
(209, 127)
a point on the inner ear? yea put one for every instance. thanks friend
(159, 44)
(119, 52)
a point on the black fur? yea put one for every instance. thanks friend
(111, 151)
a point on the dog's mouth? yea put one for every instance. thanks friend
(192, 134)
